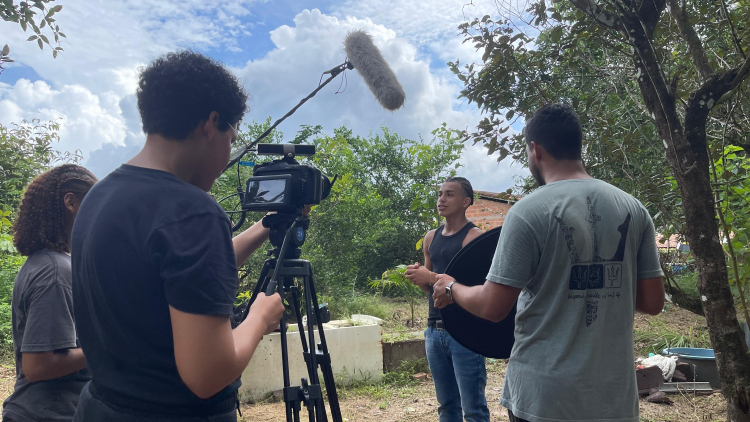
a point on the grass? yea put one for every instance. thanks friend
(658, 337)
(398, 383)
(394, 312)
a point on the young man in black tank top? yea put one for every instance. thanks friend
(459, 374)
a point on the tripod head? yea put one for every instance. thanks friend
(280, 224)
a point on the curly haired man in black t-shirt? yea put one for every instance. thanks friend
(155, 265)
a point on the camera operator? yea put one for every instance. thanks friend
(155, 266)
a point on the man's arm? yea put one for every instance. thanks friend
(491, 301)
(42, 366)
(209, 354)
(649, 296)
(249, 241)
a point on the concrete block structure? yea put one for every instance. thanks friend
(356, 354)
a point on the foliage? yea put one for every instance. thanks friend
(395, 280)
(367, 224)
(25, 15)
(564, 63)
(25, 151)
(9, 266)
(731, 173)
(656, 78)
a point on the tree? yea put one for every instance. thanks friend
(24, 15)
(367, 225)
(659, 76)
(25, 151)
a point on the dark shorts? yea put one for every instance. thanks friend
(90, 409)
(513, 417)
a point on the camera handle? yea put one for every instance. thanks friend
(273, 284)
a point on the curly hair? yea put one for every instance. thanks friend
(179, 90)
(40, 222)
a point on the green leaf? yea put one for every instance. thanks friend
(57, 8)
(32, 38)
(23, 25)
(44, 38)
(6, 50)
(509, 115)
(41, 45)
(556, 34)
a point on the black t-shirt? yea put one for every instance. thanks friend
(43, 322)
(144, 240)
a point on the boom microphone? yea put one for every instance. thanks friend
(371, 65)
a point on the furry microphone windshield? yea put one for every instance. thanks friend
(371, 65)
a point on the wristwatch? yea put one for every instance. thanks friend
(448, 291)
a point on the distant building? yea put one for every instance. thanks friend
(489, 210)
(672, 242)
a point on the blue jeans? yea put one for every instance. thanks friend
(460, 377)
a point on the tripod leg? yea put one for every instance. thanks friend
(324, 357)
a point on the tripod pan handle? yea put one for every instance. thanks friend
(271, 288)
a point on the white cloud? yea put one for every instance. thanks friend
(421, 22)
(91, 85)
(292, 70)
(485, 173)
(86, 120)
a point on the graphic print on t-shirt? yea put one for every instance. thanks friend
(596, 273)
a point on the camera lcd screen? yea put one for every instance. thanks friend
(267, 191)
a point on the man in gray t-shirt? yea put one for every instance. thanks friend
(580, 257)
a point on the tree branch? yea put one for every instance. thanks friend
(742, 73)
(602, 17)
(700, 60)
(734, 32)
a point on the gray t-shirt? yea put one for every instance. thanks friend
(576, 249)
(43, 322)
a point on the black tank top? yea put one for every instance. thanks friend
(442, 250)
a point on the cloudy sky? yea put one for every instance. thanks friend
(278, 48)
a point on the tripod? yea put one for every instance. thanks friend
(278, 274)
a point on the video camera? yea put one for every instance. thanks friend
(284, 185)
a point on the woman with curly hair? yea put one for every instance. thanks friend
(50, 366)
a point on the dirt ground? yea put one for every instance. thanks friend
(418, 403)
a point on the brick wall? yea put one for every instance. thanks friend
(487, 214)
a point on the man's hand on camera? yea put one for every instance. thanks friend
(419, 275)
(439, 297)
(267, 309)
